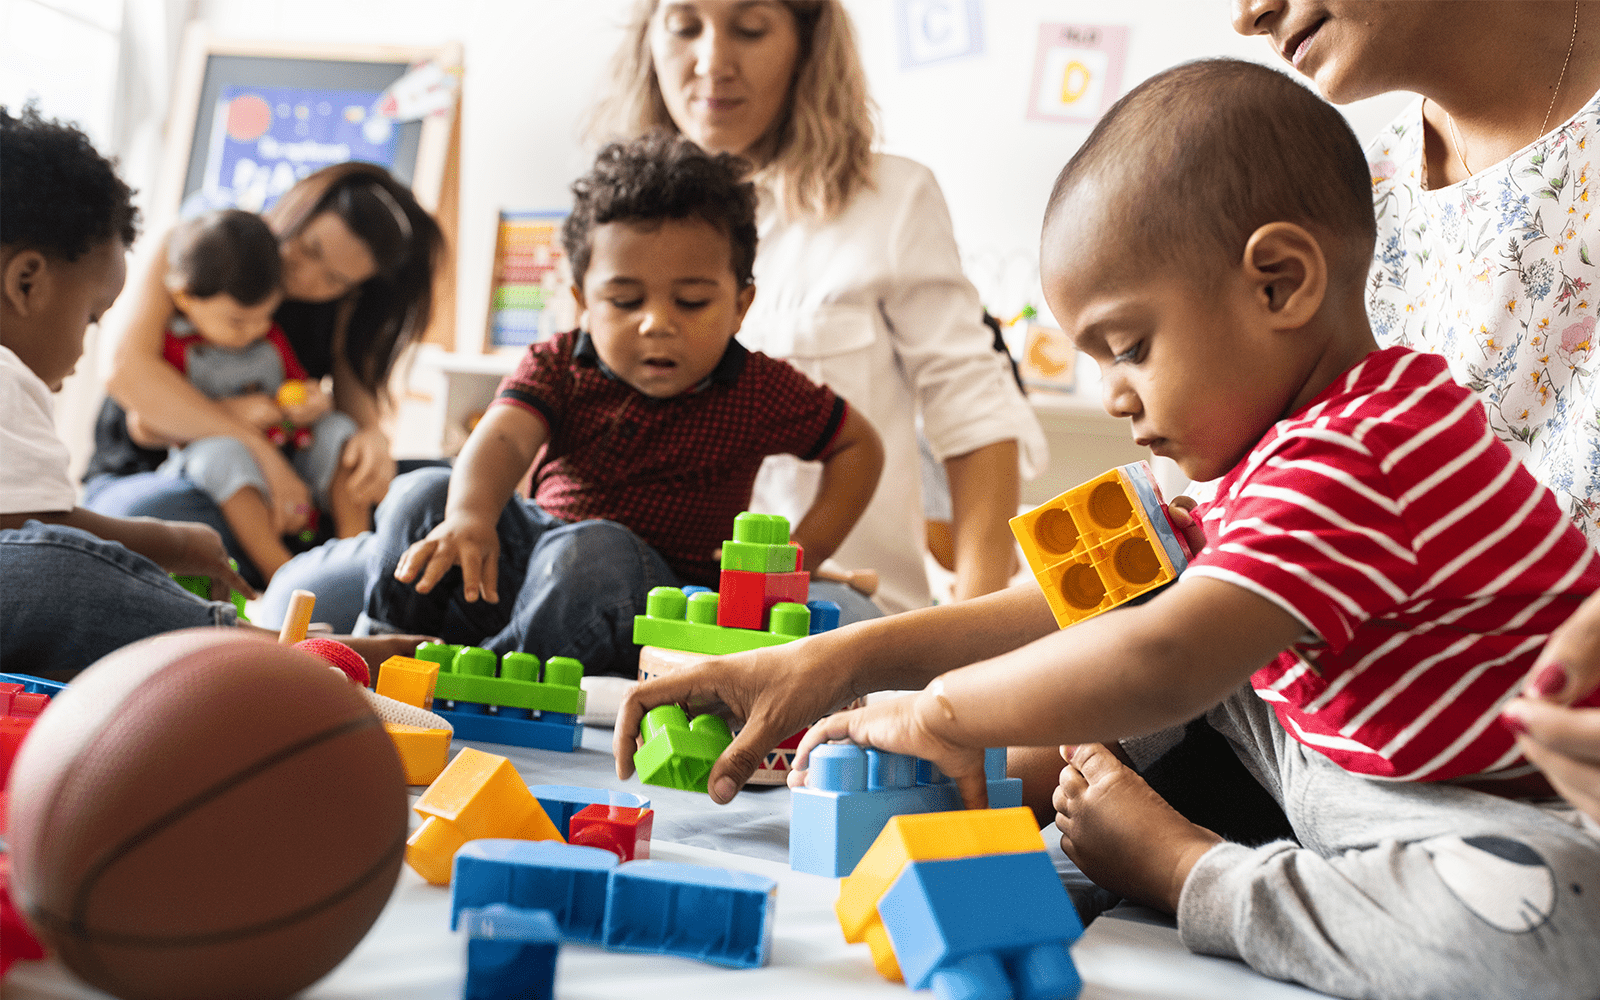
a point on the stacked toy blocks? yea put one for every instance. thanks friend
(1102, 544)
(966, 904)
(479, 795)
(619, 822)
(508, 702)
(852, 792)
(424, 750)
(710, 914)
(511, 953)
(674, 619)
(761, 568)
(677, 753)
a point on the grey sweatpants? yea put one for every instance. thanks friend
(1397, 889)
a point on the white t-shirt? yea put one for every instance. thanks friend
(33, 460)
(1499, 275)
(873, 304)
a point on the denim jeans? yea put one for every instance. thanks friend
(565, 589)
(68, 598)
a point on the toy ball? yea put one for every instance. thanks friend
(205, 814)
(339, 656)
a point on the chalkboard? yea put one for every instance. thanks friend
(251, 118)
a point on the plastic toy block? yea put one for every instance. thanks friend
(622, 830)
(200, 586)
(22, 698)
(471, 677)
(551, 731)
(852, 792)
(761, 529)
(17, 942)
(927, 837)
(561, 802)
(759, 558)
(511, 953)
(408, 679)
(673, 620)
(678, 753)
(32, 684)
(983, 928)
(568, 880)
(423, 752)
(710, 914)
(1102, 544)
(478, 795)
(746, 598)
(824, 616)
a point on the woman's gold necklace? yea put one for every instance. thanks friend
(1461, 147)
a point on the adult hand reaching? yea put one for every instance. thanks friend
(1565, 741)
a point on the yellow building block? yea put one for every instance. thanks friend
(423, 752)
(479, 795)
(1101, 544)
(409, 680)
(966, 833)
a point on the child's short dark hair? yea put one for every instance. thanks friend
(58, 195)
(663, 176)
(1202, 155)
(227, 251)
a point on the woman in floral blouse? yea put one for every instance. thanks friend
(1489, 252)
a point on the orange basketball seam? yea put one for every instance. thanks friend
(76, 923)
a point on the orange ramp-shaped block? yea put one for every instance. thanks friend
(1101, 544)
(407, 679)
(479, 795)
(923, 837)
(423, 752)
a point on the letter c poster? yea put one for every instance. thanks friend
(1077, 72)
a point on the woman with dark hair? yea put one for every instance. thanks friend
(359, 259)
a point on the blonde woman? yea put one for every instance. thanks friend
(858, 279)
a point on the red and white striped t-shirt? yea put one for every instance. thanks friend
(1427, 562)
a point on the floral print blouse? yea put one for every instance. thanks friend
(1499, 275)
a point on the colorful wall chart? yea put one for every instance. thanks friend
(1077, 72)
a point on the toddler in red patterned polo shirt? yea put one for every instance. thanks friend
(644, 430)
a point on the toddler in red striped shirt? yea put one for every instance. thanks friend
(1378, 575)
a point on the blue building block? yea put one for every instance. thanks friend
(551, 731)
(34, 685)
(511, 953)
(562, 801)
(983, 928)
(568, 880)
(824, 616)
(852, 792)
(710, 914)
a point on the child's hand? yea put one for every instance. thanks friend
(198, 551)
(461, 541)
(314, 405)
(254, 408)
(904, 725)
(1184, 521)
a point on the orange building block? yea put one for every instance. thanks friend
(423, 752)
(479, 795)
(1101, 544)
(923, 837)
(410, 680)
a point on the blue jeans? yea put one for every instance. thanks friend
(565, 589)
(68, 598)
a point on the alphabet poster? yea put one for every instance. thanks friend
(1077, 72)
(934, 30)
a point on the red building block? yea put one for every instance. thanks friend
(746, 597)
(622, 830)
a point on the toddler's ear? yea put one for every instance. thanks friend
(25, 281)
(1286, 267)
(583, 307)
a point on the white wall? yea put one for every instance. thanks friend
(532, 67)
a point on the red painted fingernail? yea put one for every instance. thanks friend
(1516, 723)
(1552, 680)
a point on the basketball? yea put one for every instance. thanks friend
(205, 814)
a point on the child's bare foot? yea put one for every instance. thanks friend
(1121, 833)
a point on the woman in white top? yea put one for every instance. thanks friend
(858, 279)
(1489, 253)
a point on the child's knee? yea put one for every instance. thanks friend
(414, 503)
(603, 549)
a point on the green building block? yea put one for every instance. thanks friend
(200, 586)
(673, 621)
(763, 529)
(678, 753)
(752, 557)
(469, 673)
